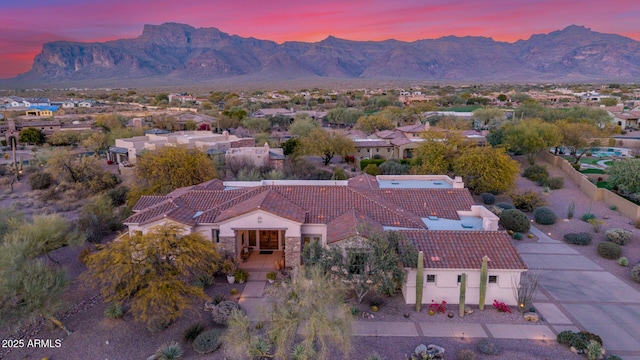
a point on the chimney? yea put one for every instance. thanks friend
(225, 134)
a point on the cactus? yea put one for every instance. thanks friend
(483, 282)
(419, 281)
(463, 294)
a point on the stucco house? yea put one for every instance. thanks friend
(436, 213)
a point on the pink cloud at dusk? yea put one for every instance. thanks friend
(26, 25)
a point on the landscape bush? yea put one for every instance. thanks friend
(169, 351)
(527, 200)
(40, 180)
(157, 324)
(514, 220)
(192, 332)
(536, 173)
(623, 261)
(517, 236)
(588, 216)
(582, 238)
(488, 198)
(504, 206)
(609, 250)
(113, 311)
(635, 273)
(466, 354)
(222, 312)
(488, 347)
(544, 216)
(207, 342)
(554, 183)
(579, 340)
(619, 236)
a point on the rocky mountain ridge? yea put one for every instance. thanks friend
(174, 52)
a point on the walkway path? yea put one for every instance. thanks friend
(575, 294)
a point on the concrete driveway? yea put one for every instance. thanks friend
(576, 294)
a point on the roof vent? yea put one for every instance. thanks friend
(435, 258)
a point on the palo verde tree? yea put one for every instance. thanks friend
(531, 137)
(625, 176)
(30, 289)
(308, 317)
(168, 168)
(367, 265)
(486, 169)
(325, 144)
(579, 137)
(436, 154)
(153, 271)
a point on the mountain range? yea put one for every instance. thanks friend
(179, 53)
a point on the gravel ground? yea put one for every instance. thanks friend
(98, 338)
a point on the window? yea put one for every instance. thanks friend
(252, 238)
(215, 235)
(431, 278)
(493, 279)
(308, 238)
(459, 279)
(357, 259)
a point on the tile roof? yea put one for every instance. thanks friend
(270, 201)
(351, 223)
(443, 203)
(445, 249)
(364, 181)
(147, 202)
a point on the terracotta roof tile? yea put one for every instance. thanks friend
(465, 249)
(146, 202)
(269, 201)
(350, 224)
(364, 181)
(443, 203)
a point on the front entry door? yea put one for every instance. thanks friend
(269, 240)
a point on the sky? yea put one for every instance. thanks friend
(26, 25)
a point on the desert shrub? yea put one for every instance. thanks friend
(536, 173)
(169, 351)
(527, 200)
(118, 195)
(591, 337)
(375, 356)
(614, 357)
(207, 342)
(565, 337)
(544, 216)
(488, 347)
(588, 216)
(157, 324)
(609, 250)
(203, 280)
(504, 206)
(192, 332)
(488, 198)
(554, 183)
(619, 236)
(582, 238)
(40, 180)
(623, 261)
(371, 169)
(635, 273)
(613, 207)
(218, 298)
(113, 311)
(84, 253)
(514, 220)
(517, 236)
(222, 312)
(466, 354)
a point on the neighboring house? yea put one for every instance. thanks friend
(86, 103)
(437, 214)
(34, 102)
(626, 119)
(48, 127)
(182, 98)
(259, 156)
(128, 149)
(273, 112)
(399, 143)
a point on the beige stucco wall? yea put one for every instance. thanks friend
(447, 288)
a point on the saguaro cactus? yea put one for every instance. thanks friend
(463, 294)
(483, 282)
(419, 281)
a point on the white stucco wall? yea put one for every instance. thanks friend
(146, 227)
(447, 288)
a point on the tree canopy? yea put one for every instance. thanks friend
(302, 126)
(531, 137)
(32, 136)
(372, 123)
(625, 175)
(153, 271)
(170, 167)
(486, 169)
(326, 144)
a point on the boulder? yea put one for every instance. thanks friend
(531, 316)
(208, 306)
(435, 351)
(421, 349)
(468, 310)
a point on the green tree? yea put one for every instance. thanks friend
(259, 125)
(96, 142)
(110, 122)
(531, 137)
(308, 316)
(486, 169)
(326, 144)
(29, 288)
(169, 167)
(393, 167)
(303, 126)
(153, 271)
(289, 147)
(579, 137)
(99, 217)
(372, 123)
(342, 115)
(488, 118)
(64, 166)
(436, 154)
(64, 138)
(367, 265)
(32, 136)
(625, 176)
